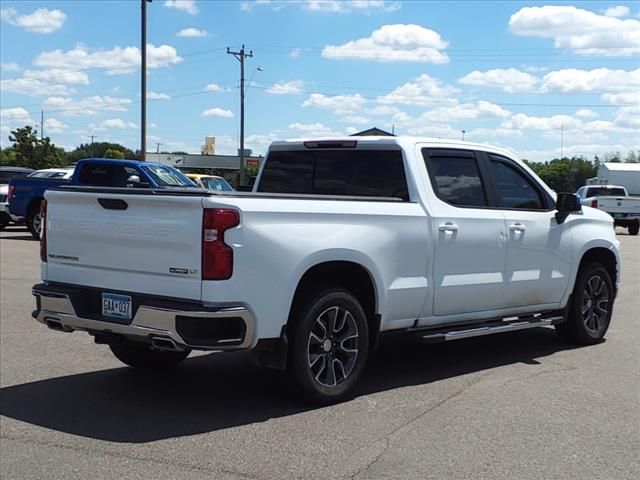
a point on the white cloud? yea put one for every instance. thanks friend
(555, 122)
(217, 112)
(584, 31)
(258, 143)
(327, 6)
(86, 106)
(294, 53)
(393, 43)
(628, 117)
(192, 33)
(424, 90)
(339, 103)
(114, 123)
(58, 76)
(599, 79)
(42, 20)
(286, 88)
(342, 6)
(115, 61)
(510, 80)
(214, 87)
(479, 134)
(52, 125)
(586, 113)
(9, 67)
(382, 110)
(314, 129)
(157, 96)
(188, 6)
(619, 11)
(15, 116)
(33, 87)
(467, 111)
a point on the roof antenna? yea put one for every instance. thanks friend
(393, 129)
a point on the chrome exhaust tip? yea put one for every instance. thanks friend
(164, 344)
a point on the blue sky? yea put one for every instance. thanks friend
(513, 73)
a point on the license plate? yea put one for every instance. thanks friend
(116, 306)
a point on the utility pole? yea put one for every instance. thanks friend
(561, 141)
(92, 137)
(463, 132)
(240, 56)
(158, 147)
(143, 80)
(41, 124)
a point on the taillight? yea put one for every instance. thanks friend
(217, 256)
(594, 203)
(10, 192)
(43, 230)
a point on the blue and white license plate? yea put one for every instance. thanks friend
(116, 306)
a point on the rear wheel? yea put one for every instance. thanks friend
(634, 227)
(330, 346)
(34, 222)
(140, 355)
(591, 306)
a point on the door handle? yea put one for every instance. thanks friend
(517, 227)
(448, 227)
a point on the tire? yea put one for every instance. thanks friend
(634, 227)
(329, 346)
(34, 222)
(591, 307)
(140, 355)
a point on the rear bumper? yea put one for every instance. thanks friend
(185, 325)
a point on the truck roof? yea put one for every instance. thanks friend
(403, 141)
(115, 161)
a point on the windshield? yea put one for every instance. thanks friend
(217, 184)
(167, 176)
(51, 174)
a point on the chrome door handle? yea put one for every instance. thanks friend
(448, 227)
(517, 227)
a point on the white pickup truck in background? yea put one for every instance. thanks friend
(340, 241)
(614, 200)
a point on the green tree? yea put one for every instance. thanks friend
(632, 157)
(97, 150)
(250, 171)
(566, 174)
(33, 152)
(7, 156)
(113, 153)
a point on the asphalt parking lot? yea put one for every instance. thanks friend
(513, 406)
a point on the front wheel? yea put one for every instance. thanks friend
(140, 355)
(330, 346)
(591, 307)
(634, 228)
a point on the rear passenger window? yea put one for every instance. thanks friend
(369, 173)
(455, 177)
(104, 175)
(514, 189)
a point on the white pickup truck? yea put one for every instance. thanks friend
(614, 200)
(341, 241)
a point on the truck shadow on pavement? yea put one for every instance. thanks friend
(218, 391)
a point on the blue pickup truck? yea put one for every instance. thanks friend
(26, 194)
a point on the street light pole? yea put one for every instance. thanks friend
(143, 80)
(240, 56)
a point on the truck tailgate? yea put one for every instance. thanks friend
(620, 206)
(125, 242)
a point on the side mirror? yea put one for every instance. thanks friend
(135, 182)
(567, 203)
